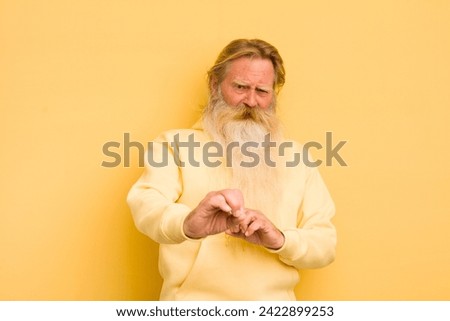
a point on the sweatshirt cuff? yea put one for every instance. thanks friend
(172, 225)
(291, 246)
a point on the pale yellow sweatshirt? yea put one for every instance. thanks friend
(221, 267)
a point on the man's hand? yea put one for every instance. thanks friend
(217, 212)
(256, 228)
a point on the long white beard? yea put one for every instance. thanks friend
(239, 125)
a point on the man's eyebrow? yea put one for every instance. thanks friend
(264, 88)
(245, 84)
(240, 83)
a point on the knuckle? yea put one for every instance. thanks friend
(211, 194)
(233, 192)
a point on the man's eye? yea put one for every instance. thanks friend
(262, 91)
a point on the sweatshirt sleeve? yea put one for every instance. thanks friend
(152, 199)
(313, 243)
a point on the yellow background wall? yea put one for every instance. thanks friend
(77, 74)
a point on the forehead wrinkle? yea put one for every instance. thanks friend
(243, 70)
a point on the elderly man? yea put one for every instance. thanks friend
(241, 226)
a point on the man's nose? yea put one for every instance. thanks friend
(250, 99)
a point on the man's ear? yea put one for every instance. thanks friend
(213, 86)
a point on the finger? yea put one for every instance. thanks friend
(232, 224)
(245, 222)
(248, 217)
(218, 201)
(234, 199)
(235, 234)
(254, 226)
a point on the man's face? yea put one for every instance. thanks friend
(249, 82)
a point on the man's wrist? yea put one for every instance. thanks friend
(188, 231)
(279, 244)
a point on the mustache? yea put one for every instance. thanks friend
(255, 114)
